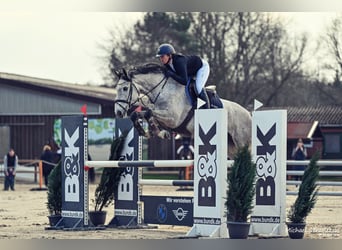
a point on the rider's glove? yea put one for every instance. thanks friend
(169, 73)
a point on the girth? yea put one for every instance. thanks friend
(182, 127)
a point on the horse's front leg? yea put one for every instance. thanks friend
(154, 126)
(137, 119)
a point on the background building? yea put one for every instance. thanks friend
(320, 127)
(29, 107)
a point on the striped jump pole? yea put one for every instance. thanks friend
(182, 183)
(142, 163)
(145, 163)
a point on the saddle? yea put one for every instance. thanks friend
(214, 99)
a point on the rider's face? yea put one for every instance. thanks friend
(164, 59)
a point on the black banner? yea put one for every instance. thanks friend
(74, 179)
(168, 210)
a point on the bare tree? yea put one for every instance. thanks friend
(250, 54)
(267, 60)
(213, 36)
(334, 42)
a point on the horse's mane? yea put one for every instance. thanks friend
(146, 69)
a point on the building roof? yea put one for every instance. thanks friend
(57, 86)
(325, 115)
(304, 130)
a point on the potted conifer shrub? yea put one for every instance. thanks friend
(240, 194)
(305, 201)
(54, 195)
(108, 185)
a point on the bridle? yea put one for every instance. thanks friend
(130, 105)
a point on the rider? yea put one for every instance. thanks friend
(183, 68)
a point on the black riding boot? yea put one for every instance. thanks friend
(204, 96)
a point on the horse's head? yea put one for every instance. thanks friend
(127, 96)
(140, 86)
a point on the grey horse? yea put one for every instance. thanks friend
(166, 107)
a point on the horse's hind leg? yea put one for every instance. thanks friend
(232, 149)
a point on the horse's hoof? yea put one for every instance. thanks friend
(164, 134)
(147, 135)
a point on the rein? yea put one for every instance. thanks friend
(163, 83)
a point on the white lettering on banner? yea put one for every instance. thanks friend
(72, 214)
(179, 200)
(265, 219)
(126, 212)
(71, 167)
(207, 221)
(296, 230)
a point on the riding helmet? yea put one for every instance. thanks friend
(165, 49)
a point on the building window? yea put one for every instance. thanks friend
(332, 143)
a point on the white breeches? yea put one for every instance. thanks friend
(202, 76)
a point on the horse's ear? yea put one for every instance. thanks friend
(125, 74)
(118, 73)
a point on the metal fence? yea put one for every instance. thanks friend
(325, 173)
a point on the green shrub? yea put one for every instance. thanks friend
(54, 194)
(307, 193)
(241, 186)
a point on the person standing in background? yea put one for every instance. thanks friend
(47, 158)
(299, 153)
(10, 166)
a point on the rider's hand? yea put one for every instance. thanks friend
(169, 73)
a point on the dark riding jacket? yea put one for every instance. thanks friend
(184, 67)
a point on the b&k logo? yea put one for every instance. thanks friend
(207, 168)
(266, 167)
(71, 167)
